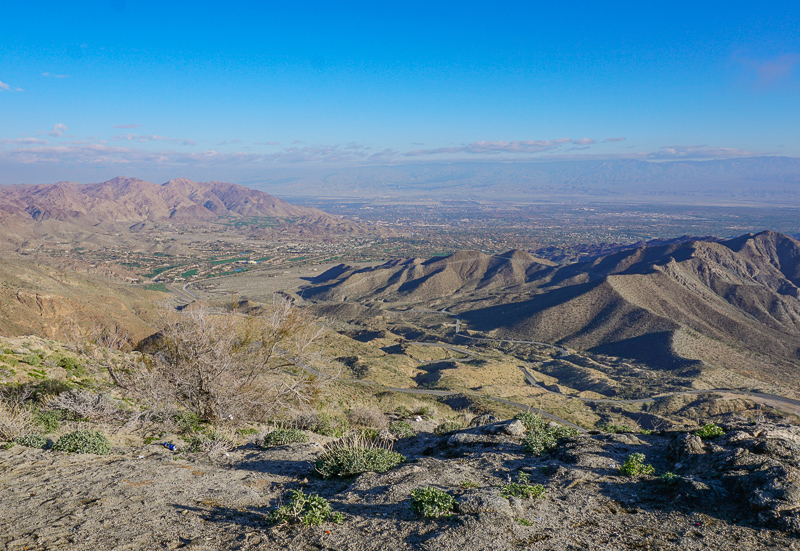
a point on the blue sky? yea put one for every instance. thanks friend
(91, 90)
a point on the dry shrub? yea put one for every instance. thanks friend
(226, 366)
(367, 417)
(15, 420)
(82, 404)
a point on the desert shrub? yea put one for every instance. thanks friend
(281, 437)
(710, 431)
(32, 359)
(522, 488)
(10, 360)
(187, 421)
(447, 427)
(48, 421)
(322, 423)
(616, 429)
(308, 510)
(210, 441)
(367, 417)
(50, 387)
(82, 404)
(83, 441)
(224, 366)
(15, 420)
(425, 411)
(669, 478)
(635, 465)
(72, 366)
(401, 429)
(352, 456)
(431, 502)
(368, 433)
(34, 441)
(542, 436)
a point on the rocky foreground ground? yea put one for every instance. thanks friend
(738, 491)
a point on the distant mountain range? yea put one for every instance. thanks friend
(757, 179)
(722, 304)
(67, 210)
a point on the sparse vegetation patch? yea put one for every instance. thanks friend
(522, 488)
(710, 431)
(352, 456)
(83, 441)
(281, 437)
(431, 502)
(635, 466)
(307, 510)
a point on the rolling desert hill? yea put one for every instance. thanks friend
(693, 304)
(38, 298)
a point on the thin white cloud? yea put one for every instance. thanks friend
(4, 86)
(140, 138)
(23, 141)
(620, 139)
(520, 147)
(51, 75)
(57, 130)
(698, 152)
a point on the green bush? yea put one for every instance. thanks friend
(635, 465)
(669, 478)
(311, 510)
(353, 456)
(188, 421)
(83, 441)
(541, 436)
(281, 437)
(710, 431)
(431, 502)
(49, 421)
(368, 433)
(72, 366)
(34, 441)
(447, 427)
(10, 361)
(32, 359)
(522, 488)
(401, 429)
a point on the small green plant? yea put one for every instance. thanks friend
(10, 361)
(522, 488)
(368, 433)
(646, 432)
(431, 502)
(34, 441)
(354, 455)
(424, 411)
(83, 441)
(710, 431)
(468, 484)
(447, 427)
(669, 478)
(209, 441)
(401, 429)
(247, 431)
(188, 421)
(37, 374)
(524, 522)
(281, 437)
(48, 421)
(72, 366)
(542, 436)
(32, 359)
(307, 510)
(635, 465)
(7, 445)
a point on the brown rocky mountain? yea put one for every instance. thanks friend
(729, 304)
(133, 200)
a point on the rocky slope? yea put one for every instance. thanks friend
(741, 489)
(729, 304)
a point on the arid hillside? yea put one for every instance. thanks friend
(730, 304)
(102, 213)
